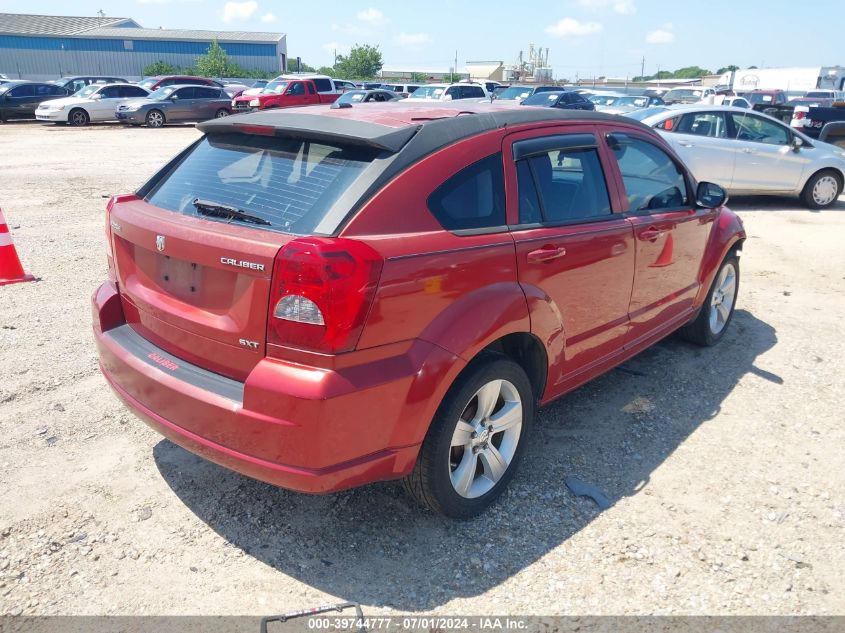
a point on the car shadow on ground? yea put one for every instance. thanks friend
(778, 203)
(374, 546)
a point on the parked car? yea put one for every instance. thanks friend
(800, 108)
(688, 95)
(749, 152)
(348, 99)
(19, 99)
(564, 99)
(255, 88)
(324, 341)
(232, 88)
(604, 99)
(403, 90)
(518, 93)
(283, 93)
(833, 95)
(370, 85)
(762, 99)
(448, 92)
(629, 103)
(733, 101)
(325, 85)
(75, 84)
(174, 104)
(95, 102)
(815, 118)
(162, 81)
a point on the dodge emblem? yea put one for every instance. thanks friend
(160, 242)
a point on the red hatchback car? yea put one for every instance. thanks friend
(323, 298)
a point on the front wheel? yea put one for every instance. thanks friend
(476, 439)
(822, 189)
(712, 321)
(155, 118)
(221, 113)
(78, 118)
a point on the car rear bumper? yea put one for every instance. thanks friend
(302, 428)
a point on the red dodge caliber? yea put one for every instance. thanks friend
(323, 298)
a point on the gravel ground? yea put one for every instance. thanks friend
(724, 465)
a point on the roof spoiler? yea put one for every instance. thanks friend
(313, 127)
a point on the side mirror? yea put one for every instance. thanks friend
(710, 195)
(173, 97)
(96, 96)
(797, 143)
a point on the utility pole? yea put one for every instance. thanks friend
(455, 70)
(642, 69)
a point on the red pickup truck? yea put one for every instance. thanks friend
(283, 93)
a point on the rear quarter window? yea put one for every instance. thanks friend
(291, 183)
(474, 198)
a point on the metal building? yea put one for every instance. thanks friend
(46, 46)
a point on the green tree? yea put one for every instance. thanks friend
(690, 72)
(214, 63)
(159, 68)
(419, 77)
(452, 77)
(727, 69)
(363, 62)
(327, 70)
(305, 67)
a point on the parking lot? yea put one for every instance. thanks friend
(724, 465)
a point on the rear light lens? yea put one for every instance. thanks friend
(109, 250)
(321, 293)
(799, 115)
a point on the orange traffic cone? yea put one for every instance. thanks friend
(11, 271)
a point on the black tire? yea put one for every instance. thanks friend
(700, 330)
(430, 482)
(221, 113)
(78, 118)
(155, 118)
(826, 176)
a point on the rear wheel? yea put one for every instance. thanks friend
(78, 118)
(476, 439)
(822, 190)
(712, 321)
(221, 113)
(155, 118)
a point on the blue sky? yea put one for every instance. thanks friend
(585, 37)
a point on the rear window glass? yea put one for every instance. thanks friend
(291, 183)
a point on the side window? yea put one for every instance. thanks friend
(323, 85)
(296, 89)
(59, 91)
(474, 198)
(454, 92)
(669, 125)
(133, 91)
(753, 128)
(183, 93)
(412, 89)
(110, 93)
(473, 92)
(710, 124)
(22, 91)
(310, 88)
(561, 186)
(652, 179)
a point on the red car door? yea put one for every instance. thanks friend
(670, 232)
(575, 254)
(296, 94)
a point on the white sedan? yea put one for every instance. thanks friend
(748, 152)
(96, 102)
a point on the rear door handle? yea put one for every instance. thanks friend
(651, 233)
(685, 144)
(546, 254)
(748, 150)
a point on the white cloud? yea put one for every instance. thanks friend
(663, 35)
(372, 16)
(239, 10)
(267, 18)
(413, 39)
(350, 29)
(572, 27)
(331, 47)
(623, 7)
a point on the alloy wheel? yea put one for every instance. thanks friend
(722, 300)
(485, 438)
(155, 119)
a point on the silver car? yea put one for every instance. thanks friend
(748, 152)
(176, 103)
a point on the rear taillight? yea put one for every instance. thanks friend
(321, 294)
(109, 227)
(798, 115)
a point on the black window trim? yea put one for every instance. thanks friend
(689, 181)
(529, 147)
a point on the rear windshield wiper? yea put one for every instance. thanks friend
(209, 207)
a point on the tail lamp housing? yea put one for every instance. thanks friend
(322, 290)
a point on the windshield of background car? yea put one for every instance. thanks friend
(758, 97)
(604, 100)
(148, 83)
(275, 88)
(291, 183)
(353, 96)
(162, 93)
(632, 101)
(674, 95)
(428, 92)
(543, 98)
(514, 92)
(87, 91)
(641, 115)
